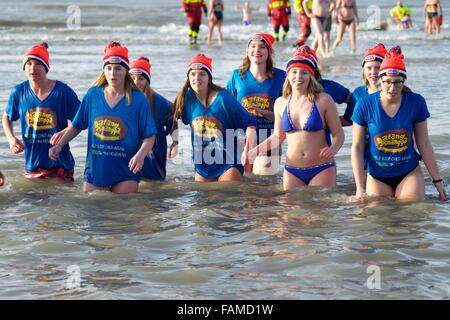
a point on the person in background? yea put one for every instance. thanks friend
(215, 118)
(121, 130)
(320, 16)
(279, 12)
(401, 15)
(44, 107)
(215, 18)
(155, 163)
(347, 16)
(193, 13)
(304, 22)
(2, 179)
(431, 9)
(393, 117)
(247, 12)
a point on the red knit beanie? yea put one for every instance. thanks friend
(200, 61)
(40, 53)
(116, 54)
(376, 53)
(302, 59)
(141, 66)
(393, 64)
(268, 39)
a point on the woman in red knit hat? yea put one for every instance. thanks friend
(301, 116)
(393, 118)
(373, 57)
(155, 162)
(217, 120)
(256, 84)
(121, 128)
(44, 107)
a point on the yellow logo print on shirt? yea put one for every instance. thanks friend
(206, 127)
(41, 119)
(393, 141)
(262, 101)
(109, 128)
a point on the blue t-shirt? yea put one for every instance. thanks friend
(360, 92)
(40, 120)
(155, 163)
(115, 135)
(213, 151)
(391, 146)
(339, 94)
(253, 94)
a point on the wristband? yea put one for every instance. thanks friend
(437, 181)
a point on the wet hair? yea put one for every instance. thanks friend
(178, 105)
(269, 64)
(314, 88)
(129, 84)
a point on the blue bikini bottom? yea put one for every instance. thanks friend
(307, 174)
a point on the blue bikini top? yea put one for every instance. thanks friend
(313, 122)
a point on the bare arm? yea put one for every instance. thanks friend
(69, 133)
(137, 162)
(305, 7)
(276, 139)
(333, 122)
(429, 159)
(358, 145)
(15, 145)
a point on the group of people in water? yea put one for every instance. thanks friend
(315, 15)
(261, 106)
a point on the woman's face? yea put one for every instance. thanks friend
(371, 69)
(140, 81)
(35, 70)
(115, 75)
(299, 78)
(257, 52)
(199, 80)
(392, 86)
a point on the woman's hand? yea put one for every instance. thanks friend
(137, 162)
(173, 150)
(54, 151)
(56, 137)
(328, 153)
(442, 192)
(15, 145)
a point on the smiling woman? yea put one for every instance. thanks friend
(393, 118)
(122, 130)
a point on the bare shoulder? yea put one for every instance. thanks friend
(279, 105)
(325, 100)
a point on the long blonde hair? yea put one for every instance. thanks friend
(129, 84)
(314, 88)
(178, 105)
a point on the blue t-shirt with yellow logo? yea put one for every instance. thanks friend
(114, 136)
(155, 163)
(215, 140)
(391, 147)
(253, 94)
(40, 120)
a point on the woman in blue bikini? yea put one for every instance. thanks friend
(301, 115)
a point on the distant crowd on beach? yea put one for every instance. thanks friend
(312, 15)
